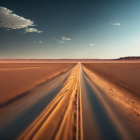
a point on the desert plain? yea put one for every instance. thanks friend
(70, 100)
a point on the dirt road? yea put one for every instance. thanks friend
(68, 107)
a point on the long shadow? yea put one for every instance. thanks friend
(26, 93)
(13, 130)
(107, 129)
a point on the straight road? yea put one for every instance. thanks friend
(67, 107)
(14, 118)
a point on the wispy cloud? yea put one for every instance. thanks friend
(12, 21)
(39, 42)
(63, 39)
(31, 30)
(91, 44)
(116, 24)
(66, 38)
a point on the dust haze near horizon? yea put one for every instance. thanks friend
(69, 29)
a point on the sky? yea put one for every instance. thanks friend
(69, 29)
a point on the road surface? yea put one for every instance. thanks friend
(67, 107)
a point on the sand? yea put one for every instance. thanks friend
(125, 104)
(60, 119)
(17, 78)
(126, 75)
(92, 101)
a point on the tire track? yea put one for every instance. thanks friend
(22, 95)
(24, 111)
(61, 118)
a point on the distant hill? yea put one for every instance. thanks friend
(67, 60)
(130, 58)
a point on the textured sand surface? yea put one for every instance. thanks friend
(126, 75)
(15, 79)
(79, 103)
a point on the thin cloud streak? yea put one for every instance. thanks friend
(116, 24)
(91, 44)
(63, 39)
(66, 38)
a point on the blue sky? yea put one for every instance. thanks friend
(69, 29)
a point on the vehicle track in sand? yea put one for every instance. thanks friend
(69, 107)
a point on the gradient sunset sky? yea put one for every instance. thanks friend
(69, 28)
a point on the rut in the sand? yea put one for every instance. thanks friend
(67, 107)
